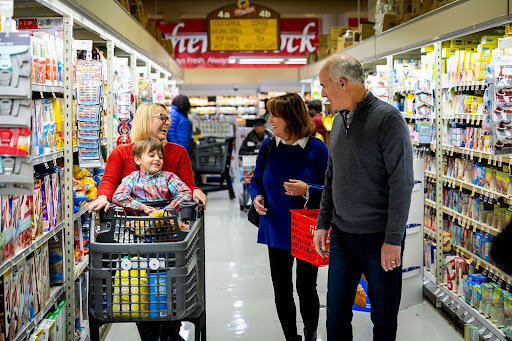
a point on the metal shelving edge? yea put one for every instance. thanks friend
(55, 293)
(461, 309)
(29, 249)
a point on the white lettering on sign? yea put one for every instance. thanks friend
(243, 11)
(193, 42)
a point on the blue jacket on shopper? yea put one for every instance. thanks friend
(180, 131)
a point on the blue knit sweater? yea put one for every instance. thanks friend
(286, 162)
(180, 131)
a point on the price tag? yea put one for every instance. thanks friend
(486, 198)
(472, 87)
(473, 121)
(453, 219)
(489, 160)
(495, 278)
(508, 285)
(445, 299)
(481, 197)
(471, 319)
(464, 223)
(478, 267)
(480, 158)
(471, 155)
(454, 184)
(474, 228)
(460, 187)
(494, 162)
(437, 291)
(500, 281)
(500, 161)
(473, 194)
(451, 152)
(464, 315)
(489, 275)
(458, 219)
(481, 331)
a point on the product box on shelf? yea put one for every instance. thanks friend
(56, 262)
(18, 296)
(42, 274)
(30, 274)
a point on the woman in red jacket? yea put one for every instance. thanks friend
(151, 120)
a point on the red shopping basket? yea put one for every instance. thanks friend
(303, 231)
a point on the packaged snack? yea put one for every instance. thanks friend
(476, 297)
(56, 262)
(37, 206)
(471, 333)
(487, 292)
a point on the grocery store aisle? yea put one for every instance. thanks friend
(239, 296)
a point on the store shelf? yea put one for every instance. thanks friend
(82, 211)
(55, 293)
(454, 183)
(29, 249)
(430, 174)
(470, 222)
(430, 203)
(477, 15)
(468, 118)
(47, 158)
(466, 85)
(126, 32)
(47, 88)
(470, 255)
(493, 159)
(80, 267)
(465, 312)
(430, 233)
(413, 116)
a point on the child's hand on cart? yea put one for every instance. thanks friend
(147, 209)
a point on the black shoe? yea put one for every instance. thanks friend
(309, 336)
(294, 338)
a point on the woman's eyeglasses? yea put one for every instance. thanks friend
(163, 117)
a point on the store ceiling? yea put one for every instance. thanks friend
(174, 10)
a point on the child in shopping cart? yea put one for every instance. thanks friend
(150, 183)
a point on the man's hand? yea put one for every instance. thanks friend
(320, 241)
(390, 256)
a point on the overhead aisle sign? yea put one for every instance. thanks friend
(243, 27)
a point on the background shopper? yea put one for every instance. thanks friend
(180, 131)
(255, 138)
(315, 111)
(366, 200)
(296, 161)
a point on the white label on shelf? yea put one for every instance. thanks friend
(481, 331)
(471, 319)
(488, 336)
(445, 299)
(440, 295)
(437, 291)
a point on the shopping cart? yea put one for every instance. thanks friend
(212, 156)
(246, 163)
(303, 231)
(147, 269)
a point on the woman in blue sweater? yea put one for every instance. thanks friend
(291, 176)
(180, 131)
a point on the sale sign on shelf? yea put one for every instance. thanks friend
(189, 38)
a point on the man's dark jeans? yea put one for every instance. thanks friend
(350, 256)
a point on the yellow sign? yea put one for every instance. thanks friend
(251, 28)
(243, 35)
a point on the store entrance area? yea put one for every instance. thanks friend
(240, 299)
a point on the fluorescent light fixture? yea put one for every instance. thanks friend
(297, 60)
(260, 60)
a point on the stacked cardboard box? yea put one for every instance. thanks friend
(125, 4)
(366, 30)
(336, 32)
(137, 11)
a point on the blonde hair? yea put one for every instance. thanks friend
(140, 146)
(142, 122)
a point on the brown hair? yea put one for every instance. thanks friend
(140, 146)
(141, 125)
(292, 109)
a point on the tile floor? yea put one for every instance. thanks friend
(239, 296)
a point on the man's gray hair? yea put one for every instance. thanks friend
(345, 66)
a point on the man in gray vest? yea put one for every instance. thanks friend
(366, 199)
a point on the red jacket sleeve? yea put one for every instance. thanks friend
(184, 168)
(112, 176)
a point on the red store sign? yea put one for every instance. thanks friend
(298, 37)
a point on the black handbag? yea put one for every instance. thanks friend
(252, 215)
